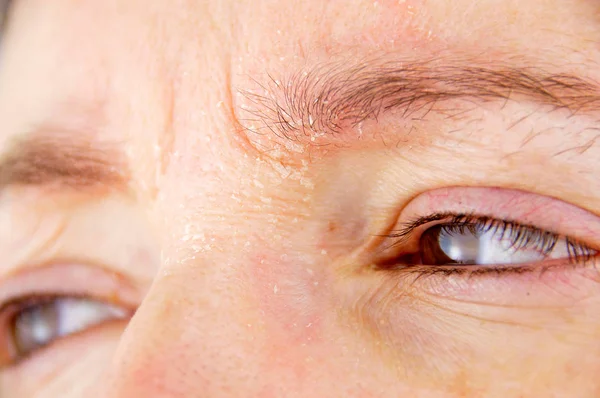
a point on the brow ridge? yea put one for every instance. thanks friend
(332, 97)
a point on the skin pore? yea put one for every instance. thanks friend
(232, 176)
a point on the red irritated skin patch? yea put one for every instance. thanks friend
(292, 302)
(306, 326)
(268, 284)
(288, 294)
(389, 25)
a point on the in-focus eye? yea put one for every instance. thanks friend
(40, 322)
(470, 240)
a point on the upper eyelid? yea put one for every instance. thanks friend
(70, 279)
(520, 207)
(121, 244)
(464, 219)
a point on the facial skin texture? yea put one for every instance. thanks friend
(165, 156)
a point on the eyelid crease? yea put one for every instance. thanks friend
(70, 279)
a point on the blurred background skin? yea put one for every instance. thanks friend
(163, 158)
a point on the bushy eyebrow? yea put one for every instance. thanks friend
(331, 97)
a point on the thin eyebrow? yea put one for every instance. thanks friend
(332, 97)
(64, 161)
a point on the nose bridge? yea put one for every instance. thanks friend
(207, 325)
(188, 336)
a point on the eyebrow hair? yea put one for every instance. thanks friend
(332, 97)
(4, 8)
(64, 161)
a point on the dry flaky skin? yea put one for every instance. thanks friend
(228, 166)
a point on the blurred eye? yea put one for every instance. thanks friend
(40, 322)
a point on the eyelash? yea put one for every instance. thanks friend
(519, 235)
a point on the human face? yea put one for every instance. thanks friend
(300, 199)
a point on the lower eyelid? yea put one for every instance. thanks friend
(556, 284)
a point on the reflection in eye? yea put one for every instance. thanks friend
(473, 240)
(40, 323)
(488, 247)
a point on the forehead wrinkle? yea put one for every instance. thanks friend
(332, 97)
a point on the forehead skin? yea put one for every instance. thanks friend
(247, 301)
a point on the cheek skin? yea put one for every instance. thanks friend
(311, 340)
(308, 351)
(288, 296)
(436, 339)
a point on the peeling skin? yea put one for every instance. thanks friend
(251, 220)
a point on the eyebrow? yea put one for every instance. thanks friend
(332, 97)
(65, 161)
(4, 8)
